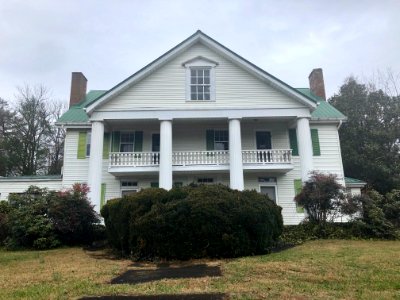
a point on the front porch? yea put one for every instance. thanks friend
(121, 163)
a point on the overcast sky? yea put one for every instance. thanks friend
(42, 42)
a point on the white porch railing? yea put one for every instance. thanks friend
(189, 158)
(134, 159)
(270, 156)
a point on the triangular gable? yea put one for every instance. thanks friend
(214, 45)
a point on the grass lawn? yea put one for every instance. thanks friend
(316, 270)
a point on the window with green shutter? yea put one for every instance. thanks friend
(116, 137)
(81, 152)
(298, 185)
(106, 145)
(103, 195)
(138, 141)
(315, 142)
(210, 140)
(293, 142)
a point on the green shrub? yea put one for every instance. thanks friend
(5, 210)
(41, 219)
(192, 222)
(72, 215)
(29, 225)
(321, 197)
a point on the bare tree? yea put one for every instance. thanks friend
(56, 139)
(31, 130)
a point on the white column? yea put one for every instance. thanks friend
(305, 147)
(235, 155)
(165, 179)
(95, 163)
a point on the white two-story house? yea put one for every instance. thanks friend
(200, 113)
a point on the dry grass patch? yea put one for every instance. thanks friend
(335, 269)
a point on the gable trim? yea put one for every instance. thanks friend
(208, 41)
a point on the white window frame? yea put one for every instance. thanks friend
(227, 141)
(120, 140)
(205, 183)
(200, 63)
(129, 188)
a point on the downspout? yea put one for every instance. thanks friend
(340, 124)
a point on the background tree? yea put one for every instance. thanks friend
(30, 143)
(6, 118)
(370, 139)
(56, 138)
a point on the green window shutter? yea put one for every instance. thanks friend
(210, 140)
(293, 142)
(103, 195)
(298, 185)
(154, 184)
(315, 142)
(82, 145)
(138, 147)
(115, 141)
(106, 145)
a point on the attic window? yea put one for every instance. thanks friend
(200, 85)
(200, 79)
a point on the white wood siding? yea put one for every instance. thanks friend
(166, 88)
(330, 160)
(17, 186)
(74, 170)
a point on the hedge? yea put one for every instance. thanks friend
(192, 222)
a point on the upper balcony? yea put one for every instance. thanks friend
(123, 163)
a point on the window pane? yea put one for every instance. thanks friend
(199, 73)
(200, 97)
(193, 89)
(192, 80)
(126, 148)
(206, 80)
(206, 89)
(206, 96)
(199, 89)
(207, 73)
(200, 80)
(193, 96)
(192, 73)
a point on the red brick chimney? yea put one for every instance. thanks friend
(78, 88)
(317, 86)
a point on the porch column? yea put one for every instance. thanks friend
(305, 147)
(235, 155)
(95, 164)
(165, 174)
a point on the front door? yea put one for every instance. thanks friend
(263, 142)
(155, 147)
(269, 191)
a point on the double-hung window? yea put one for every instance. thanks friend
(200, 79)
(127, 141)
(221, 140)
(200, 83)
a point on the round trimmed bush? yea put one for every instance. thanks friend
(193, 222)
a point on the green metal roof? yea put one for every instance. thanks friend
(350, 181)
(32, 177)
(76, 113)
(324, 110)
